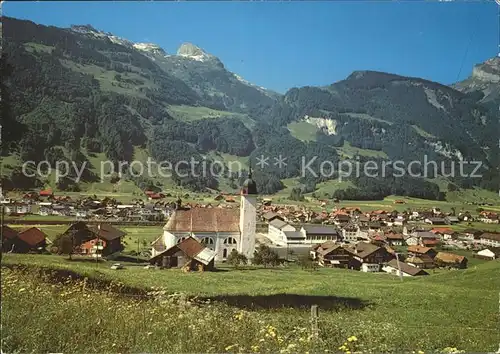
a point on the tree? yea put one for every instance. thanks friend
(296, 194)
(236, 259)
(265, 256)
(67, 245)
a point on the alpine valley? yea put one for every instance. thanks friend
(84, 95)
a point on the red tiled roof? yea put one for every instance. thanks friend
(441, 230)
(46, 192)
(204, 220)
(32, 236)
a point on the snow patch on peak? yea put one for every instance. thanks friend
(150, 48)
(243, 81)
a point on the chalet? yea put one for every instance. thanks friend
(189, 254)
(471, 234)
(423, 261)
(450, 220)
(369, 255)
(17, 208)
(430, 242)
(353, 233)
(341, 218)
(320, 233)
(394, 239)
(489, 253)
(400, 220)
(450, 260)
(34, 238)
(416, 250)
(435, 221)
(93, 247)
(333, 255)
(444, 232)
(400, 268)
(489, 217)
(270, 216)
(490, 239)
(82, 233)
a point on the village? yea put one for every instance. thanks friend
(405, 243)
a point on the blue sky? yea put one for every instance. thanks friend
(280, 45)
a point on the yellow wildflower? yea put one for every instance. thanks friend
(420, 352)
(352, 339)
(255, 348)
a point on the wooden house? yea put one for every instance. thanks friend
(189, 254)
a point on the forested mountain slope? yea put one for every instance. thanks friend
(79, 91)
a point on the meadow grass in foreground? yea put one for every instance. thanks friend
(451, 309)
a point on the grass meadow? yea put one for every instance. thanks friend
(244, 310)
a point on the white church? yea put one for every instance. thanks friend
(219, 229)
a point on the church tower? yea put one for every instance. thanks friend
(248, 216)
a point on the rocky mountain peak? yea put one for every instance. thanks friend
(191, 51)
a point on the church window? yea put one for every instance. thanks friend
(181, 239)
(224, 253)
(230, 241)
(207, 241)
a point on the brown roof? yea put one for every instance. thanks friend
(204, 220)
(189, 246)
(423, 259)
(450, 257)
(392, 236)
(406, 268)
(325, 251)
(490, 236)
(418, 249)
(106, 231)
(362, 249)
(32, 236)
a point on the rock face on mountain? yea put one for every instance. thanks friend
(190, 51)
(485, 78)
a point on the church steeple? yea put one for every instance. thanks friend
(249, 186)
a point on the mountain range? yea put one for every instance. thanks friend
(82, 94)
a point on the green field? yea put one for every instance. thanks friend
(189, 113)
(449, 309)
(303, 131)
